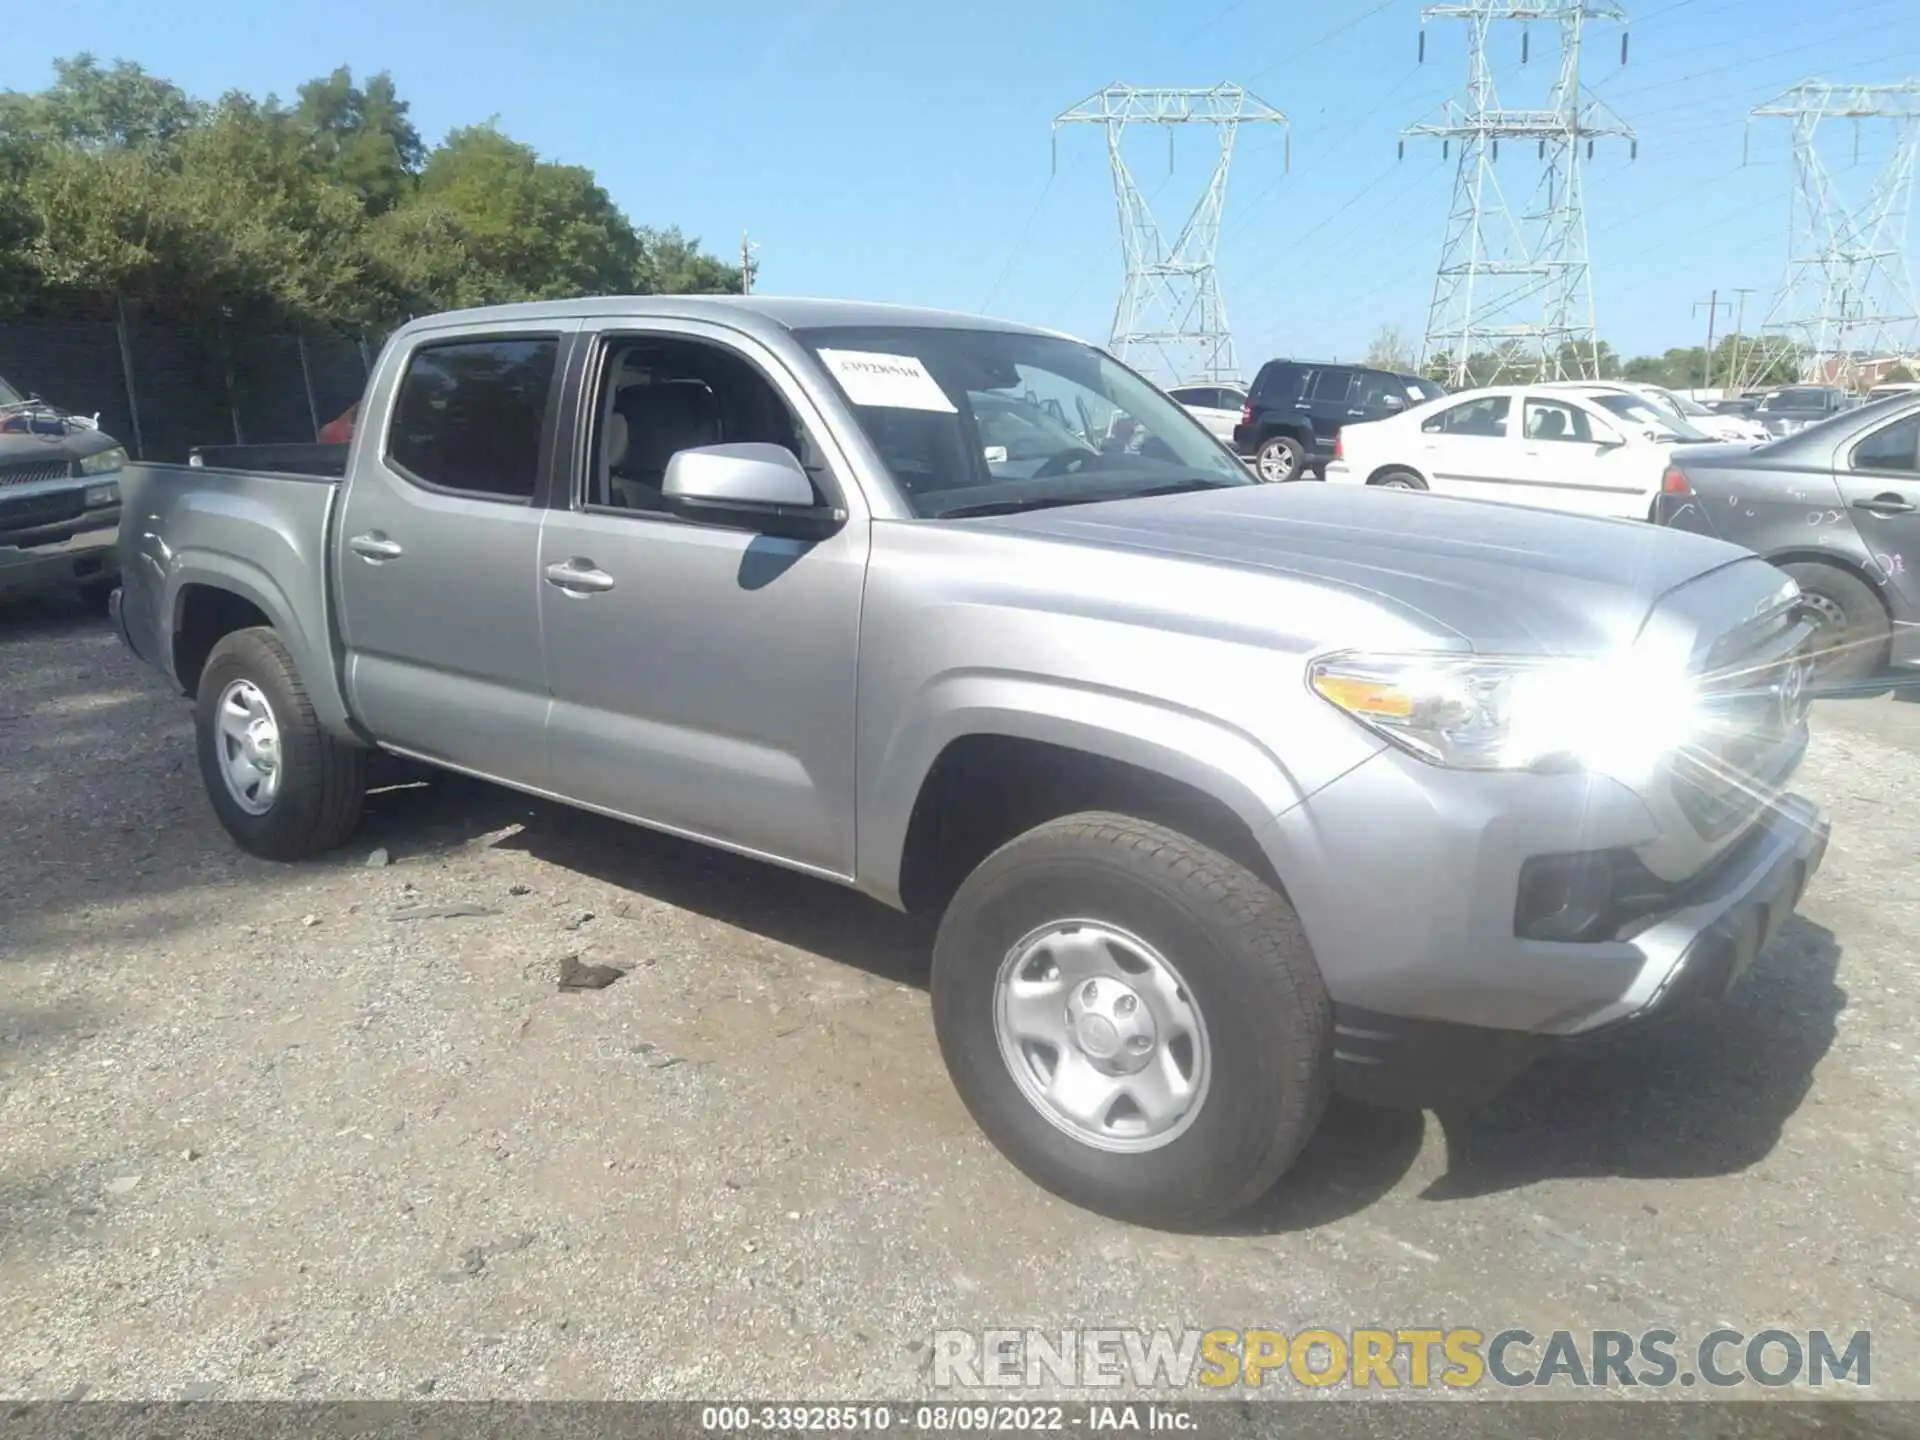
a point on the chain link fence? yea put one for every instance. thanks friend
(161, 389)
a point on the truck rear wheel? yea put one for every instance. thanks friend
(283, 787)
(1134, 1019)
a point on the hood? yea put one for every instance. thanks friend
(1502, 578)
(41, 435)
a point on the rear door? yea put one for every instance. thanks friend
(1331, 402)
(1880, 481)
(1574, 459)
(437, 548)
(1469, 449)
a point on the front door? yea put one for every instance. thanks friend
(1880, 481)
(703, 677)
(1572, 460)
(1334, 395)
(437, 548)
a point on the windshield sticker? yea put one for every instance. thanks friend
(895, 382)
(1413, 394)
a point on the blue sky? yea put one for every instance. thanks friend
(899, 149)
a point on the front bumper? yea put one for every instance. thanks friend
(76, 556)
(1435, 995)
(1699, 951)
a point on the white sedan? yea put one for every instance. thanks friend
(1544, 446)
(1215, 404)
(1684, 414)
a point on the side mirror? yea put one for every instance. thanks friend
(750, 487)
(1394, 402)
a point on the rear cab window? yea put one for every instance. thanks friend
(469, 415)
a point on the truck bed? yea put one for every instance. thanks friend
(198, 536)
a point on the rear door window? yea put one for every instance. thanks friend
(1895, 449)
(1485, 417)
(469, 415)
(1335, 387)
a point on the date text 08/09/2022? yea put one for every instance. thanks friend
(975, 1418)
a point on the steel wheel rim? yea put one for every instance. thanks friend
(1395, 484)
(1102, 1036)
(1276, 464)
(247, 735)
(1827, 614)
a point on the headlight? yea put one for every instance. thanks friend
(104, 462)
(1619, 716)
(97, 497)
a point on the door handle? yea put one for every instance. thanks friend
(579, 577)
(1885, 505)
(1356, 412)
(375, 547)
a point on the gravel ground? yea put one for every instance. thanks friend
(333, 1131)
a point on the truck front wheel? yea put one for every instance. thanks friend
(283, 787)
(1134, 1019)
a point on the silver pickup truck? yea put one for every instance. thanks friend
(1226, 794)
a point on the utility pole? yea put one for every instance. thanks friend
(1513, 286)
(1171, 318)
(1734, 369)
(1714, 305)
(748, 265)
(1847, 291)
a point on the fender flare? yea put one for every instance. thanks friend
(1182, 745)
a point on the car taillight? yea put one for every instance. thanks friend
(1246, 413)
(1674, 482)
(1338, 453)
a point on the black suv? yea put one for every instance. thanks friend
(1296, 409)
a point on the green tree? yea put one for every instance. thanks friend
(95, 109)
(363, 137)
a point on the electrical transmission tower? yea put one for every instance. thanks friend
(1171, 318)
(1847, 295)
(1512, 297)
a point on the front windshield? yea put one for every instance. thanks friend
(1691, 409)
(986, 421)
(1644, 414)
(1792, 400)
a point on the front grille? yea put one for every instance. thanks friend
(32, 472)
(29, 512)
(1755, 690)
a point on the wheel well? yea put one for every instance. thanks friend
(207, 615)
(1271, 431)
(986, 789)
(1385, 470)
(1842, 563)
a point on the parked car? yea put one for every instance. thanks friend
(1149, 738)
(1687, 417)
(1555, 448)
(59, 500)
(1218, 406)
(1893, 387)
(1297, 408)
(1837, 506)
(1798, 406)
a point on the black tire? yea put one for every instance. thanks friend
(1240, 952)
(1279, 459)
(322, 780)
(1397, 480)
(1851, 641)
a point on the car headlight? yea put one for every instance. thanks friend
(1619, 716)
(104, 462)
